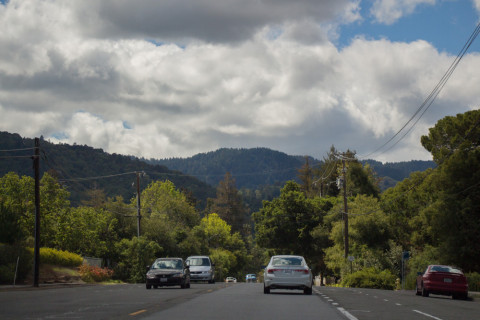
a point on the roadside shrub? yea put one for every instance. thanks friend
(370, 278)
(94, 274)
(59, 257)
(473, 279)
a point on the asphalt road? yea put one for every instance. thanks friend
(227, 301)
(363, 304)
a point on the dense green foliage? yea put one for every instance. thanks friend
(9, 256)
(170, 226)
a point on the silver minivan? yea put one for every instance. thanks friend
(201, 268)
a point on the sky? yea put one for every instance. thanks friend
(174, 78)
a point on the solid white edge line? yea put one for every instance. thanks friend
(427, 315)
(346, 314)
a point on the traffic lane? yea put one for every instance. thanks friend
(121, 301)
(387, 304)
(247, 301)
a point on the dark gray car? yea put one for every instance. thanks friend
(168, 272)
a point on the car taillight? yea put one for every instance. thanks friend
(272, 270)
(302, 270)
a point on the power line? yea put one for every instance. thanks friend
(431, 97)
(99, 177)
(466, 135)
(15, 157)
(14, 150)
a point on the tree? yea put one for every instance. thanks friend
(54, 204)
(305, 174)
(411, 207)
(16, 197)
(285, 224)
(369, 237)
(11, 231)
(168, 215)
(229, 205)
(135, 255)
(227, 250)
(361, 180)
(455, 145)
(96, 197)
(87, 231)
(326, 176)
(125, 214)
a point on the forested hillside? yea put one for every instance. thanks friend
(257, 167)
(82, 169)
(257, 171)
(251, 168)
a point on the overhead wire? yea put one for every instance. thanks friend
(15, 150)
(431, 97)
(470, 131)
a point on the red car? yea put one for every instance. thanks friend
(444, 280)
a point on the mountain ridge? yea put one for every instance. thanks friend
(259, 172)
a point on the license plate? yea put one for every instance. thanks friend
(447, 280)
(287, 271)
(163, 279)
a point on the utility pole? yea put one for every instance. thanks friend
(139, 216)
(345, 213)
(36, 251)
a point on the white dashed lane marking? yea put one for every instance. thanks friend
(352, 317)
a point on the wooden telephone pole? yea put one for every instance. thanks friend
(139, 216)
(345, 213)
(36, 251)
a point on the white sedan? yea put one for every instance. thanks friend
(231, 279)
(287, 272)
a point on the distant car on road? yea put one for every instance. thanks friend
(231, 279)
(168, 272)
(201, 268)
(443, 280)
(251, 278)
(287, 272)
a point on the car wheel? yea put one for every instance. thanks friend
(149, 286)
(307, 291)
(266, 290)
(155, 287)
(425, 292)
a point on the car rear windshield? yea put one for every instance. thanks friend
(199, 262)
(445, 269)
(168, 264)
(287, 261)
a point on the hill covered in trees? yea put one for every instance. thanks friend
(259, 173)
(86, 171)
(257, 167)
